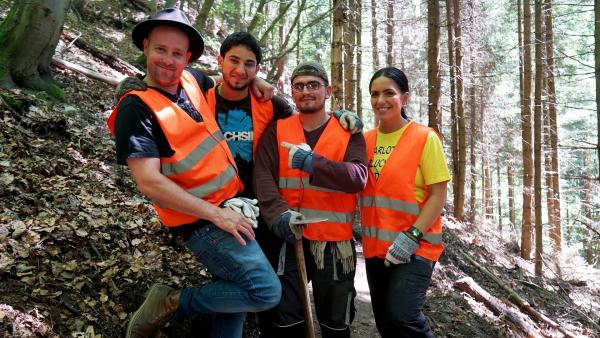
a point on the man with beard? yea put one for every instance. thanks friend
(168, 137)
(307, 166)
(241, 116)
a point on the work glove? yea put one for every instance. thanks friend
(128, 84)
(349, 120)
(245, 207)
(285, 229)
(403, 247)
(300, 156)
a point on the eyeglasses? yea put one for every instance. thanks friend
(310, 86)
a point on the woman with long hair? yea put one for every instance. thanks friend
(400, 209)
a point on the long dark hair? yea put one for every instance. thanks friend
(395, 75)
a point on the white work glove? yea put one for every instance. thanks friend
(299, 156)
(349, 120)
(245, 207)
(403, 247)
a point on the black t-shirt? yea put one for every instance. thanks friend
(235, 121)
(138, 133)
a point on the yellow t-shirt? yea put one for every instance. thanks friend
(432, 166)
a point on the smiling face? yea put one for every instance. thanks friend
(387, 99)
(239, 67)
(310, 101)
(166, 50)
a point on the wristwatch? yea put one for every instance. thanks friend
(416, 233)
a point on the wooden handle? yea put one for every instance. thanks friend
(310, 328)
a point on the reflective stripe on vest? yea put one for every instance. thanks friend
(294, 185)
(390, 203)
(301, 183)
(390, 235)
(192, 158)
(332, 216)
(202, 163)
(262, 114)
(388, 206)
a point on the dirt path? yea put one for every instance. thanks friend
(364, 322)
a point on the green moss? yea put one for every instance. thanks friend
(15, 103)
(56, 92)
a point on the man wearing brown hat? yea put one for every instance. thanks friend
(308, 170)
(169, 139)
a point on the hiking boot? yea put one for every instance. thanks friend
(159, 306)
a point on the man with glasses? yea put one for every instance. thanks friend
(308, 170)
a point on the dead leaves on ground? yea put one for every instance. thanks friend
(76, 240)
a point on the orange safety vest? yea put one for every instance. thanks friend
(262, 115)
(312, 201)
(388, 206)
(202, 164)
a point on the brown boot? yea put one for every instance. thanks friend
(159, 306)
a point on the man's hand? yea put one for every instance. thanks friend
(234, 223)
(284, 229)
(349, 120)
(128, 84)
(263, 90)
(400, 251)
(299, 156)
(244, 206)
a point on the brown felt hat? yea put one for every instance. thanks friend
(169, 17)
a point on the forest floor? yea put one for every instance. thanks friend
(79, 246)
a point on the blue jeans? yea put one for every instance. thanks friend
(246, 281)
(397, 297)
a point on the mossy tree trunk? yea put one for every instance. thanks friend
(28, 37)
(340, 15)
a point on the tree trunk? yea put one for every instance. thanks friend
(461, 163)
(473, 137)
(202, 17)
(358, 88)
(28, 36)
(537, 149)
(374, 35)
(526, 231)
(497, 306)
(489, 188)
(546, 155)
(283, 10)
(484, 155)
(390, 34)
(555, 230)
(258, 17)
(499, 197)
(433, 65)
(588, 242)
(337, 65)
(597, 72)
(285, 37)
(489, 199)
(511, 194)
(451, 65)
(350, 34)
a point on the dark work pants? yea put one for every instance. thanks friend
(333, 293)
(397, 297)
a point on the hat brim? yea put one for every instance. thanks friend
(142, 29)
